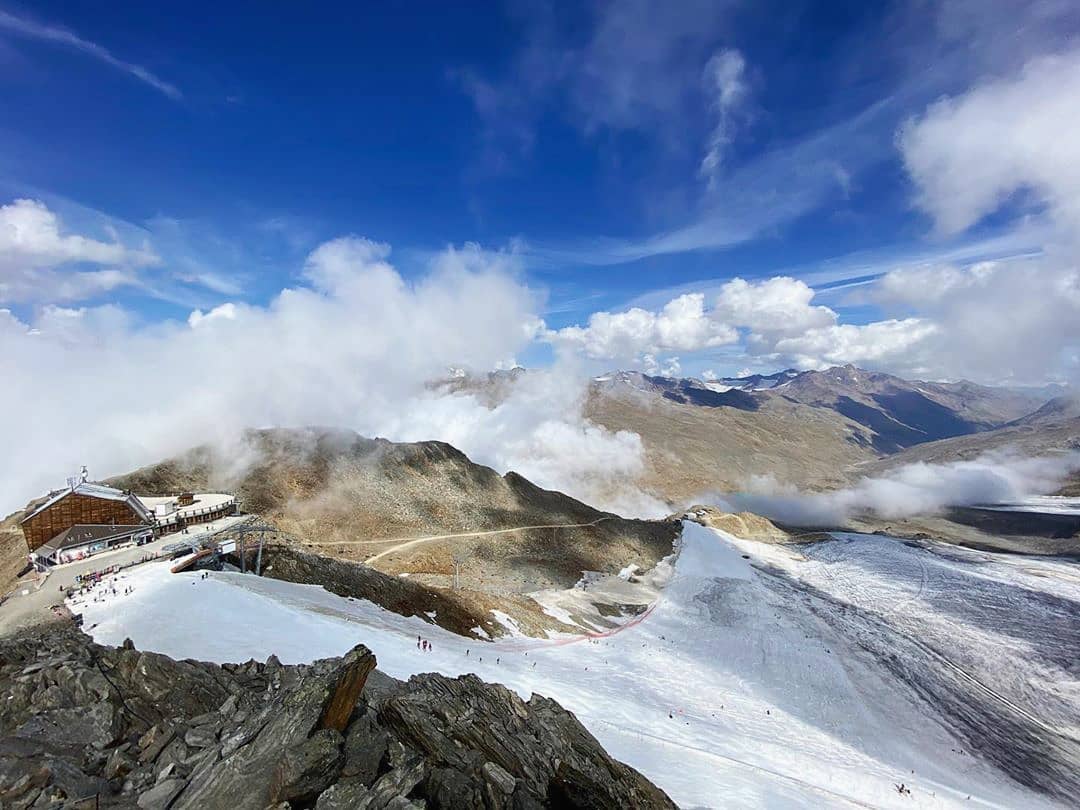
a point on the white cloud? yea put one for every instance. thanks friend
(641, 64)
(778, 323)
(664, 367)
(357, 350)
(725, 82)
(1006, 321)
(33, 248)
(885, 345)
(227, 311)
(914, 489)
(682, 325)
(784, 326)
(638, 68)
(775, 306)
(924, 285)
(539, 432)
(61, 36)
(28, 229)
(969, 154)
(1013, 321)
(337, 265)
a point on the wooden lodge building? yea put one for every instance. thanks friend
(84, 540)
(85, 503)
(85, 519)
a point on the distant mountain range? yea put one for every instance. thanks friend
(814, 429)
(810, 429)
(900, 413)
(1054, 426)
(753, 382)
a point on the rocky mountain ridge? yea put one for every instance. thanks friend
(811, 430)
(117, 727)
(898, 412)
(466, 539)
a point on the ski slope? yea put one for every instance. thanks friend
(743, 687)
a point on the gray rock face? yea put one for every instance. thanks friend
(136, 729)
(308, 768)
(347, 794)
(510, 747)
(365, 749)
(161, 795)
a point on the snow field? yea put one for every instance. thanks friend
(726, 694)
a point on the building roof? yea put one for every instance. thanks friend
(95, 491)
(82, 533)
(204, 502)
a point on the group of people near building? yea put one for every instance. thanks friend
(91, 578)
(101, 587)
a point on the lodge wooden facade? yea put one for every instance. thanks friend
(75, 508)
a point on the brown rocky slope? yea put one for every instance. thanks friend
(813, 430)
(418, 510)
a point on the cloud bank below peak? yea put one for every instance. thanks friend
(914, 489)
(357, 345)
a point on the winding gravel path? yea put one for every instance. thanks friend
(416, 541)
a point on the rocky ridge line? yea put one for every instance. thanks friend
(127, 728)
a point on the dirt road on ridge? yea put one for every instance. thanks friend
(416, 541)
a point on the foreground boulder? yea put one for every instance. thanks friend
(126, 728)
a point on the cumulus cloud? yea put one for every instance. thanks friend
(774, 318)
(970, 153)
(332, 266)
(914, 489)
(775, 306)
(538, 431)
(668, 367)
(35, 255)
(1012, 321)
(227, 310)
(783, 326)
(682, 325)
(882, 344)
(356, 348)
(1008, 321)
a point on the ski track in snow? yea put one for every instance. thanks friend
(769, 667)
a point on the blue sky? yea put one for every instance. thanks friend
(231, 143)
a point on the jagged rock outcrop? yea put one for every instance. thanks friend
(746, 525)
(533, 753)
(127, 728)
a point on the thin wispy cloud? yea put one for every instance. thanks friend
(866, 267)
(61, 36)
(653, 73)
